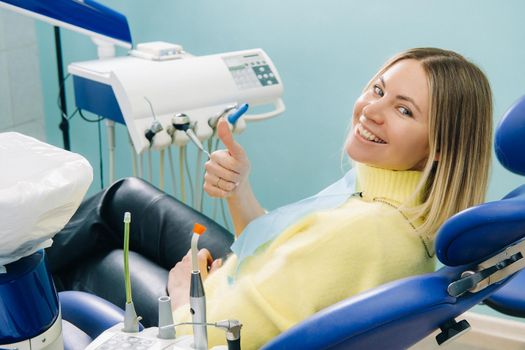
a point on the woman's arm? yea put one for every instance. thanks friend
(244, 207)
(227, 177)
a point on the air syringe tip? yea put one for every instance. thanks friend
(127, 216)
(199, 229)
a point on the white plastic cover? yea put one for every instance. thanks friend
(41, 187)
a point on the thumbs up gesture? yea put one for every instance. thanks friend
(228, 169)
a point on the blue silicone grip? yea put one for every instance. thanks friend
(232, 118)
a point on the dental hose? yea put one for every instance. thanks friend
(161, 169)
(172, 171)
(197, 199)
(181, 171)
(188, 173)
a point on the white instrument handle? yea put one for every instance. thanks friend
(279, 108)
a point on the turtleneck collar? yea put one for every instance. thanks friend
(395, 186)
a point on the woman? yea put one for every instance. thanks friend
(421, 140)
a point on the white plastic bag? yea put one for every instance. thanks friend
(41, 187)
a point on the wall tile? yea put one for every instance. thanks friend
(34, 128)
(25, 85)
(5, 94)
(2, 37)
(18, 30)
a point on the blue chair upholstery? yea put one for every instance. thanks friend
(88, 312)
(399, 314)
(510, 299)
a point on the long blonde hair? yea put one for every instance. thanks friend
(456, 174)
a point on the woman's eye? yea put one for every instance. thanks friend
(378, 90)
(405, 111)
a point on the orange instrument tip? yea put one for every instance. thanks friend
(199, 229)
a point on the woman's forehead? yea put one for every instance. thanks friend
(408, 78)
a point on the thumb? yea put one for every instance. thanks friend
(216, 265)
(225, 134)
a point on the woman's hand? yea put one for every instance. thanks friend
(227, 170)
(180, 276)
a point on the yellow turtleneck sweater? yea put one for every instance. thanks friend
(324, 258)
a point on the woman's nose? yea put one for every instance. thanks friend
(374, 111)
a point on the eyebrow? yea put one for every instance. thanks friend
(402, 97)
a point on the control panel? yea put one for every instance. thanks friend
(250, 71)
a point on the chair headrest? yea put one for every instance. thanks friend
(480, 232)
(509, 142)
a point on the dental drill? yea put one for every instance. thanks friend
(197, 296)
(231, 113)
(182, 122)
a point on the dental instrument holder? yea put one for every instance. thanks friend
(154, 129)
(198, 86)
(182, 122)
(213, 121)
(165, 319)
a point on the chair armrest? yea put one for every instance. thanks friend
(91, 314)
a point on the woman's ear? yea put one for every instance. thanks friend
(436, 158)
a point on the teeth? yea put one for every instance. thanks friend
(368, 135)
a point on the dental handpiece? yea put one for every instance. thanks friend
(231, 113)
(197, 296)
(182, 122)
(196, 141)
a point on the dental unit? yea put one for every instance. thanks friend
(154, 83)
(165, 98)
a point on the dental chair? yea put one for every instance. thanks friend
(98, 222)
(482, 250)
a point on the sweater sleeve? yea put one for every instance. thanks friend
(304, 272)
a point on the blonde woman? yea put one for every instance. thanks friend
(420, 140)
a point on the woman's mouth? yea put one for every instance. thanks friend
(367, 135)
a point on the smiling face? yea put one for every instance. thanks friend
(390, 120)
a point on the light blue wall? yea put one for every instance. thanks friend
(325, 52)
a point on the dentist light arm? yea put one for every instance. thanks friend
(86, 17)
(105, 27)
